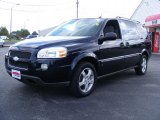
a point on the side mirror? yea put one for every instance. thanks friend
(110, 36)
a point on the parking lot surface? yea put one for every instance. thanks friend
(124, 96)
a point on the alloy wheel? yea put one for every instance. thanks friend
(86, 80)
(144, 65)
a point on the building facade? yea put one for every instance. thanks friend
(148, 13)
(45, 31)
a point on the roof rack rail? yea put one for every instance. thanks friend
(118, 17)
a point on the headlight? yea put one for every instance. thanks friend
(53, 52)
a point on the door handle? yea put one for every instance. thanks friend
(122, 45)
(127, 44)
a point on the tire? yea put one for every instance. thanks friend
(84, 79)
(141, 69)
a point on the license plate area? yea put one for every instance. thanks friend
(16, 74)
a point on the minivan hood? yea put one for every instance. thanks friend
(51, 41)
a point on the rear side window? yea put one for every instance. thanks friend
(142, 31)
(129, 30)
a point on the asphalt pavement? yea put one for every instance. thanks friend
(124, 96)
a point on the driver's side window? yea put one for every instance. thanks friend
(112, 26)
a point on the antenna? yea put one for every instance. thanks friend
(100, 16)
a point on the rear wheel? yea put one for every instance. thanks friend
(142, 66)
(84, 79)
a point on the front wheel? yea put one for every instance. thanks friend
(142, 66)
(84, 80)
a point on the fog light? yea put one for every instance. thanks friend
(44, 66)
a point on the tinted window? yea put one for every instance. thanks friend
(129, 30)
(142, 31)
(112, 26)
(78, 27)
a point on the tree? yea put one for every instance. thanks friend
(20, 33)
(4, 31)
(24, 33)
(34, 33)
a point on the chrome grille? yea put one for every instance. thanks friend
(21, 62)
(20, 54)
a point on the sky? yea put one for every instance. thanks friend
(37, 15)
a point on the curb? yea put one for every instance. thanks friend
(7, 45)
(155, 53)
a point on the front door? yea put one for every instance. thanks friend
(112, 51)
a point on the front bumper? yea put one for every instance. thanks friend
(32, 80)
(55, 74)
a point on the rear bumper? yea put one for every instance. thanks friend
(55, 74)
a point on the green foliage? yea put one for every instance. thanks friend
(24, 33)
(20, 34)
(4, 31)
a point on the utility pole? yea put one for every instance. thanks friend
(12, 17)
(77, 7)
(11, 22)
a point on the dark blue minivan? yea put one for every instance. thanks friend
(80, 51)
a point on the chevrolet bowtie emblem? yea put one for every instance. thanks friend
(15, 58)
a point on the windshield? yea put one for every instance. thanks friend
(77, 27)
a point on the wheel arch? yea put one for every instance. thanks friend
(145, 52)
(86, 57)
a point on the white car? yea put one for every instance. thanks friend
(1, 42)
(4, 37)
